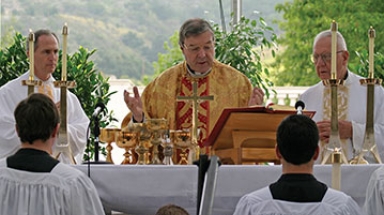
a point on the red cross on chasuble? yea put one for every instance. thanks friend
(185, 108)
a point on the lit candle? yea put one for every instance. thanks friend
(371, 35)
(31, 39)
(336, 169)
(333, 49)
(64, 54)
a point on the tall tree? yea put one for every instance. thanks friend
(302, 20)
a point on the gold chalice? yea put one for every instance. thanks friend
(144, 144)
(127, 139)
(158, 128)
(109, 135)
(182, 140)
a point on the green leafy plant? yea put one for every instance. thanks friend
(243, 48)
(13, 60)
(303, 20)
(363, 68)
(91, 86)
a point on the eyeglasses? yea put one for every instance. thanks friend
(326, 57)
(196, 49)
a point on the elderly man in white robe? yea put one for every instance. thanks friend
(297, 191)
(45, 61)
(352, 97)
(31, 181)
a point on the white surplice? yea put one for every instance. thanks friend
(374, 198)
(63, 191)
(355, 112)
(261, 202)
(77, 121)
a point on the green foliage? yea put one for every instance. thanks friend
(91, 87)
(13, 60)
(241, 48)
(302, 20)
(363, 68)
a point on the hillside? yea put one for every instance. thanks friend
(128, 34)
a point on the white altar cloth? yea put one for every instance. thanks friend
(141, 190)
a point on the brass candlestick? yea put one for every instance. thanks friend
(63, 146)
(334, 139)
(369, 144)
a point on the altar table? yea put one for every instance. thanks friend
(141, 190)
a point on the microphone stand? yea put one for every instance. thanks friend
(96, 133)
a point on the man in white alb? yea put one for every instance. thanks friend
(45, 60)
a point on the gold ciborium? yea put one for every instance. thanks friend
(109, 135)
(144, 144)
(127, 139)
(157, 127)
(181, 139)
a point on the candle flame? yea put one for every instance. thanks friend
(334, 26)
(31, 36)
(371, 32)
(65, 29)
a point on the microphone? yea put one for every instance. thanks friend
(98, 109)
(299, 107)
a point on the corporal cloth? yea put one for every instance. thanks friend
(260, 202)
(352, 101)
(65, 190)
(13, 92)
(229, 87)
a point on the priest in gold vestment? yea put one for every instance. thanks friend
(229, 87)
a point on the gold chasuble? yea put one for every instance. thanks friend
(229, 87)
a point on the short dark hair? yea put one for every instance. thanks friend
(171, 209)
(36, 118)
(297, 139)
(193, 27)
(39, 33)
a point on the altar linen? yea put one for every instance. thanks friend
(261, 202)
(63, 191)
